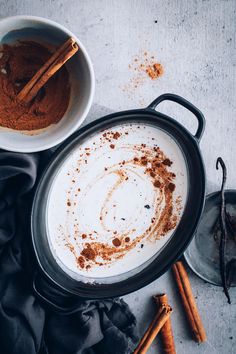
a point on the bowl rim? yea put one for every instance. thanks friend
(57, 141)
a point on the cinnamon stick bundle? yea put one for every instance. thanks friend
(54, 63)
(190, 307)
(166, 331)
(154, 328)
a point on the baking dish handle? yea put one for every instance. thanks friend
(180, 100)
(62, 310)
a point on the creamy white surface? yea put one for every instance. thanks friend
(127, 202)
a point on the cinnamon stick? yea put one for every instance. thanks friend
(166, 331)
(52, 65)
(189, 304)
(154, 328)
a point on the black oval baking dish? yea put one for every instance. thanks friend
(189, 145)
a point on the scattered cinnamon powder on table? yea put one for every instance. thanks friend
(143, 67)
(154, 71)
(18, 64)
(149, 65)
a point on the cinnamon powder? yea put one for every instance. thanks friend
(88, 252)
(18, 64)
(144, 68)
(154, 70)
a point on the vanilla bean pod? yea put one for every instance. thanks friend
(216, 229)
(230, 225)
(223, 228)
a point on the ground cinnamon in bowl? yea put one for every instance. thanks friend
(18, 64)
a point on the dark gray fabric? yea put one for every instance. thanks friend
(26, 325)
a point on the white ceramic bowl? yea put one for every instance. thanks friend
(81, 78)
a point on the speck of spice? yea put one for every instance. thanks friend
(81, 261)
(171, 187)
(116, 135)
(157, 184)
(167, 162)
(154, 71)
(89, 253)
(116, 242)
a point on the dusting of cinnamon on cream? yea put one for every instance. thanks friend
(156, 167)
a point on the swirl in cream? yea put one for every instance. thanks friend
(116, 200)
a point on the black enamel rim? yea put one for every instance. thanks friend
(182, 235)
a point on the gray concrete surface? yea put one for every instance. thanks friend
(195, 42)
